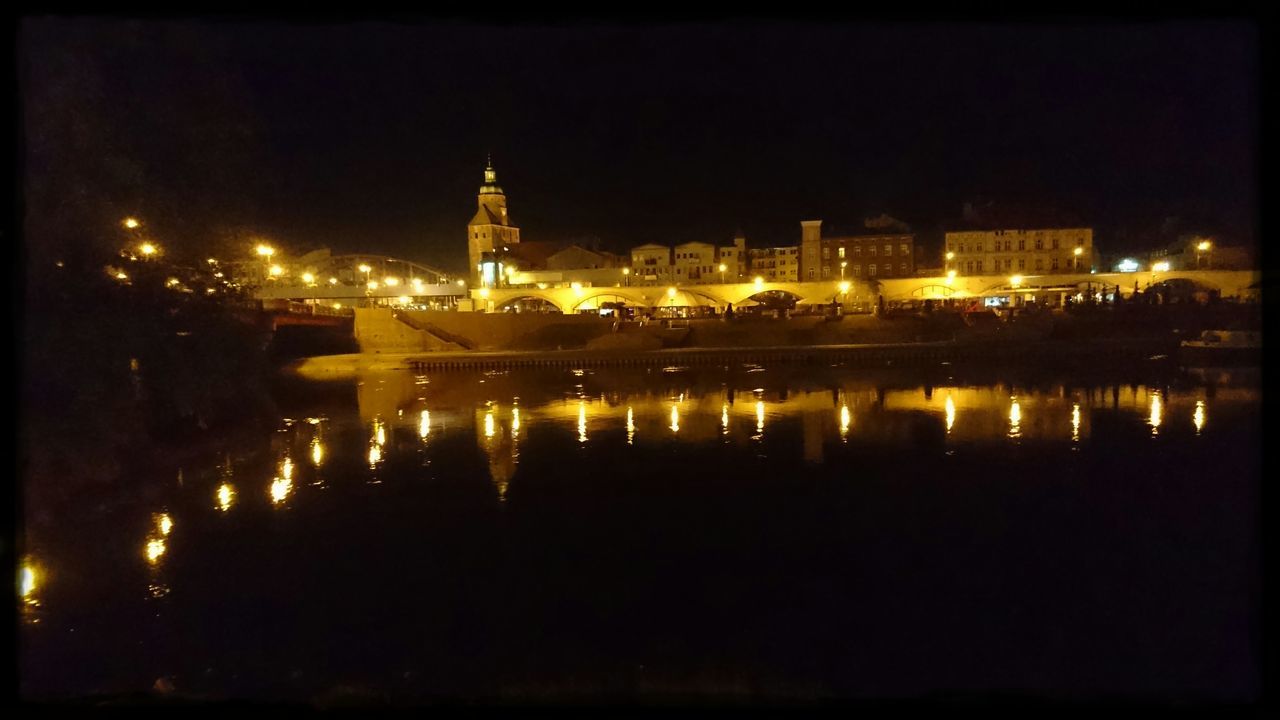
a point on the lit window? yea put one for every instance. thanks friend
(841, 252)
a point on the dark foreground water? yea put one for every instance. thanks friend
(784, 533)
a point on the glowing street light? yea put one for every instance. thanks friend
(131, 223)
(308, 278)
(843, 263)
(626, 276)
(951, 276)
(147, 249)
(1204, 245)
(759, 282)
(276, 271)
(391, 281)
(844, 287)
(265, 250)
(1016, 280)
(951, 255)
(333, 281)
(671, 293)
(723, 267)
(1078, 251)
(372, 284)
(461, 282)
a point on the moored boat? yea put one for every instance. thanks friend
(1219, 348)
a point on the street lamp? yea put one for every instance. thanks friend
(265, 250)
(759, 282)
(723, 267)
(1016, 280)
(308, 278)
(131, 223)
(842, 264)
(951, 276)
(1203, 246)
(147, 249)
(626, 276)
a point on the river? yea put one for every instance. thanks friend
(792, 533)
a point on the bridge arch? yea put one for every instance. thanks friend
(632, 297)
(501, 304)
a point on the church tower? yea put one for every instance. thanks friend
(490, 230)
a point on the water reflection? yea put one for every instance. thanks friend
(845, 421)
(1197, 417)
(759, 419)
(675, 419)
(951, 413)
(1157, 413)
(631, 426)
(582, 421)
(1015, 418)
(424, 424)
(226, 496)
(1075, 422)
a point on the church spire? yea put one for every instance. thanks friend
(490, 175)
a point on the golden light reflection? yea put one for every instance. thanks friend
(724, 418)
(1198, 416)
(675, 418)
(27, 581)
(155, 549)
(631, 426)
(286, 469)
(1075, 422)
(582, 421)
(226, 496)
(759, 416)
(1015, 418)
(164, 523)
(375, 454)
(845, 421)
(489, 427)
(1157, 413)
(951, 412)
(424, 424)
(515, 421)
(379, 434)
(280, 489)
(317, 451)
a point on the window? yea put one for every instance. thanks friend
(979, 267)
(1039, 264)
(871, 270)
(902, 269)
(871, 250)
(1022, 243)
(826, 253)
(1039, 243)
(1008, 263)
(888, 269)
(1054, 266)
(902, 249)
(968, 267)
(888, 249)
(1008, 245)
(1054, 243)
(857, 250)
(962, 248)
(1080, 242)
(841, 252)
(810, 273)
(1022, 263)
(826, 271)
(857, 270)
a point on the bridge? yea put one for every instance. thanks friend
(577, 297)
(356, 277)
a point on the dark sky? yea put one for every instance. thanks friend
(372, 136)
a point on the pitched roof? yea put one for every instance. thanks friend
(484, 216)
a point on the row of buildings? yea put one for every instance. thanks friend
(882, 248)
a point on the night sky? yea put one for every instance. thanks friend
(373, 136)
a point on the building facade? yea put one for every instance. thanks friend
(1019, 252)
(490, 232)
(651, 264)
(854, 257)
(776, 264)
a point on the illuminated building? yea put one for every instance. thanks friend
(490, 231)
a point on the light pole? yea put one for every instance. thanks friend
(626, 276)
(723, 267)
(1204, 246)
(842, 264)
